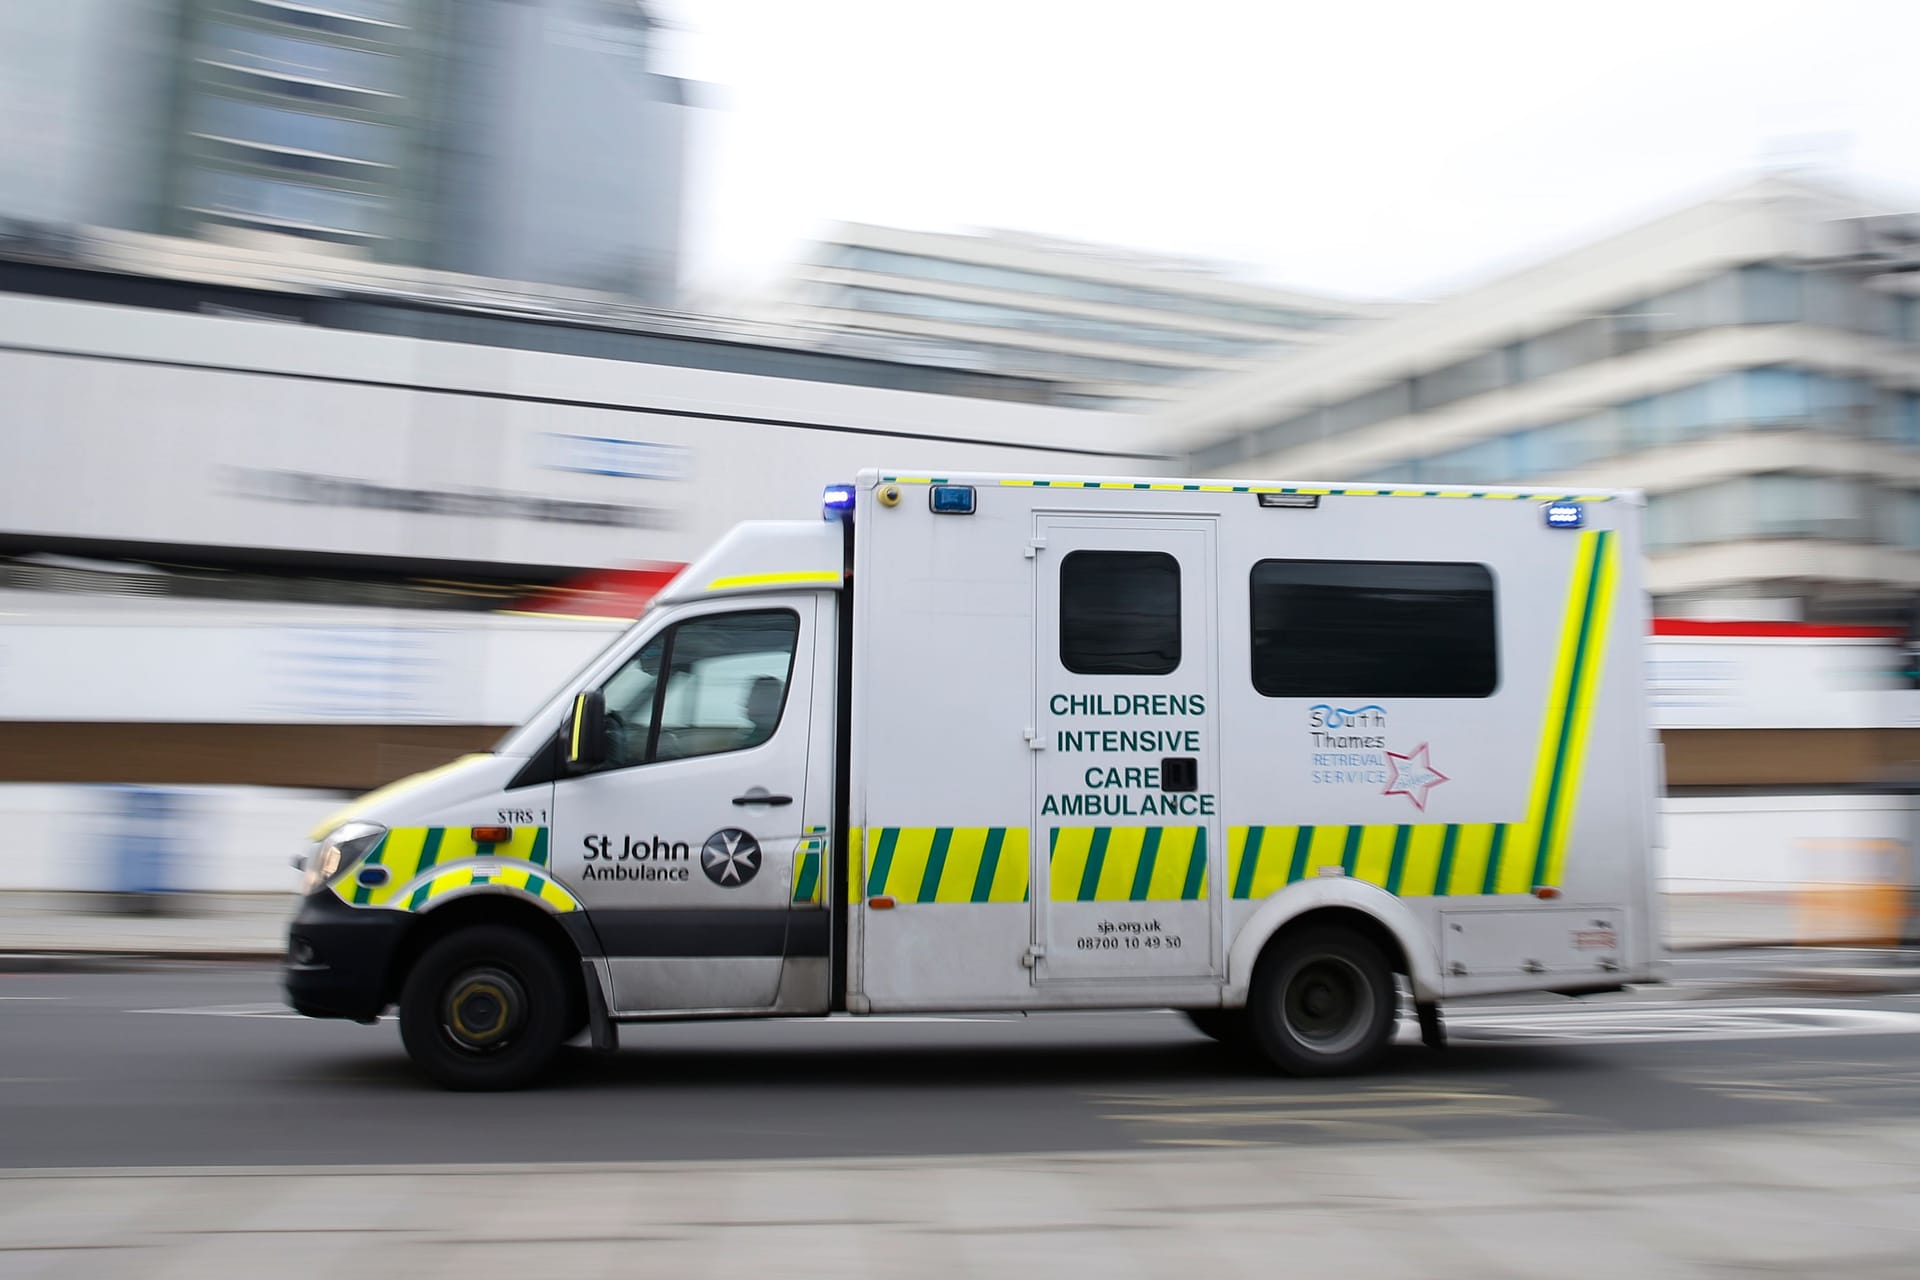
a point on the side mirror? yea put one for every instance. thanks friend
(586, 741)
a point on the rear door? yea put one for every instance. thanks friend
(1127, 836)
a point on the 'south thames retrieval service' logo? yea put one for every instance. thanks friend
(730, 857)
(1412, 776)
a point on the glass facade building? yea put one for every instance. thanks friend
(1116, 329)
(524, 140)
(1766, 400)
(302, 119)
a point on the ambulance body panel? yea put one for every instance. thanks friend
(1019, 743)
(1300, 786)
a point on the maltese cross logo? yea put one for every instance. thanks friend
(1412, 776)
(730, 857)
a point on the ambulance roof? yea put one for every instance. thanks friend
(869, 478)
(763, 555)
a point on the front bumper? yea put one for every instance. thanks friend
(338, 957)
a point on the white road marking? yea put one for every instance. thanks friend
(1377, 1093)
(229, 1011)
(1555, 1006)
(1308, 1113)
(1635, 1024)
(1644, 1025)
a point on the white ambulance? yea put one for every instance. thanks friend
(1259, 752)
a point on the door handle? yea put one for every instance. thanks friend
(761, 797)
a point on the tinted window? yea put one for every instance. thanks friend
(1373, 629)
(726, 682)
(1120, 613)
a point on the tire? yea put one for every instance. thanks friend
(1228, 1026)
(484, 1008)
(1323, 1003)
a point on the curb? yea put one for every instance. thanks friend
(1782, 983)
(1902, 980)
(1734, 944)
(126, 961)
(1795, 944)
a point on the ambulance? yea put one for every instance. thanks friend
(1290, 758)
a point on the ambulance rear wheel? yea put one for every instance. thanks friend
(484, 1008)
(1322, 1003)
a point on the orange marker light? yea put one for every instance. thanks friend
(881, 903)
(492, 835)
(1545, 892)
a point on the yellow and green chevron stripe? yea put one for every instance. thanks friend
(521, 877)
(809, 872)
(1451, 859)
(1345, 491)
(990, 864)
(1127, 864)
(1414, 861)
(947, 864)
(408, 853)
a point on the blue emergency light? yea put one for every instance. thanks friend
(837, 504)
(951, 499)
(1565, 515)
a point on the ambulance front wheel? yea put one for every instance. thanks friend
(1322, 1003)
(484, 1008)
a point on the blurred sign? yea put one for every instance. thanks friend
(182, 432)
(337, 491)
(408, 674)
(1773, 676)
(612, 456)
(215, 664)
(1686, 683)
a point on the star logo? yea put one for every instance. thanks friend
(730, 858)
(1412, 776)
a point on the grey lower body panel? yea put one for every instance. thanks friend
(712, 962)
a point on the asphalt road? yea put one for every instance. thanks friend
(201, 1066)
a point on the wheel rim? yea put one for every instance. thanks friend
(483, 1010)
(1328, 1005)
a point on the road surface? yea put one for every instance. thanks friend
(202, 1066)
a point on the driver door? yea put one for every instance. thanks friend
(683, 844)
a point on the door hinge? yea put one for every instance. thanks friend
(1034, 741)
(1035, 547)
(1034, 956)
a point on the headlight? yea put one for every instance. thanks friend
(337, 854)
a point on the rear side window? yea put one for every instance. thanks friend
(1120, 613)
(1373, 629)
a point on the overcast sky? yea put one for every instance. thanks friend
(1378, 150)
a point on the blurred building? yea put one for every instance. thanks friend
(83, 89)
(313, 497)
(520, 139)
(1752, 362)
(278, 419)
(560, 153)
(1112, 325)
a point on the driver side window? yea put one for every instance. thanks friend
(702, 687)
